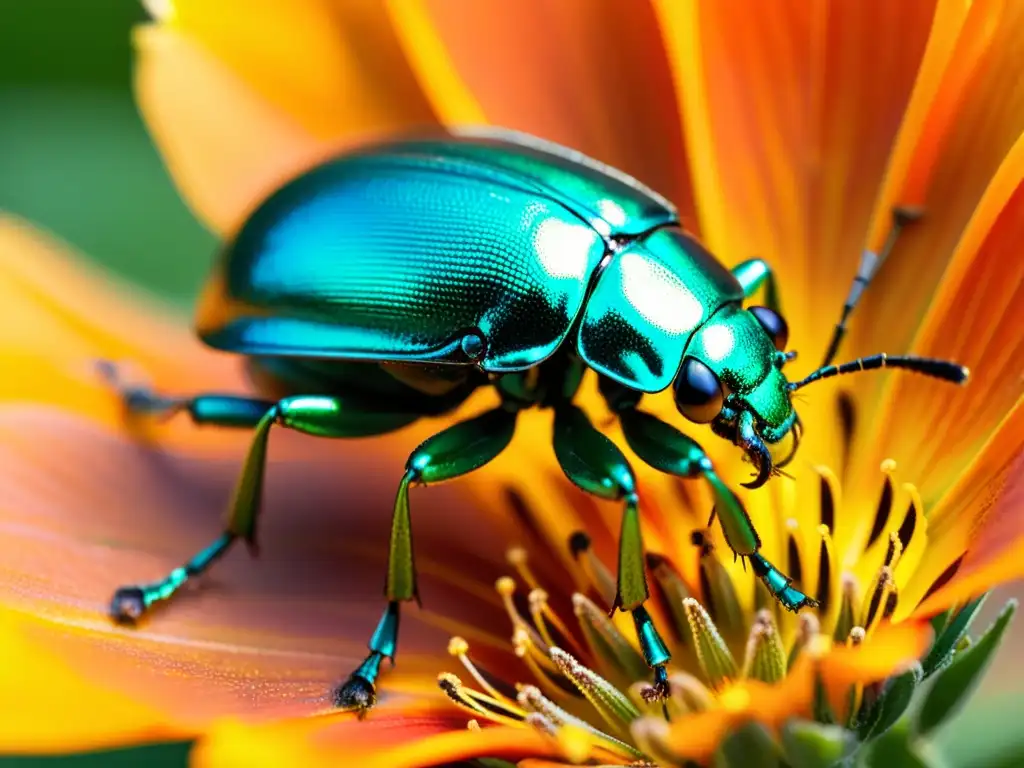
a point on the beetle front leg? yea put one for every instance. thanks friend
(460, 449)
(668, 450)
(592, 462)
(754, 273)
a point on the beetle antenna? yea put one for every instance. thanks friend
(929, 366)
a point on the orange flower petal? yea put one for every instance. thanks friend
(980, 516)
(975, 118)
(333, 66)
(415, 737)
(48, 707)
(789, 112)
(590, 74)
(975, 318)
(224, 144)
(839, 667)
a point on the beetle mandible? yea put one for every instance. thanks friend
(387, 284)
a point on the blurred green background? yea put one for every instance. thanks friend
(75, 159)
(74, 155)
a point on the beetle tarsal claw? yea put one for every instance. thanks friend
(128, 605)
(357, 694)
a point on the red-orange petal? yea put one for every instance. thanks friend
(976, 116)
(930, 428)
(591, 74)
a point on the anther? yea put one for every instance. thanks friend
(605, 641)
(712, 653)
(518, 559)
(857, 635)
(765, 657)
(613, 706)
(457, 646)
(595, 570)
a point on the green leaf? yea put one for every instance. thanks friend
(748, 747)
(813, 745)
(895, 749)
(172, 754)
(946, 639)
(954, 684)
(892, 703)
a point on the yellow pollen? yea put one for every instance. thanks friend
(506, 586)
(735, 699)
(857, 635)
(517, 558)
(889, 466)
(537, 597)
(473, 725)
(457, 646)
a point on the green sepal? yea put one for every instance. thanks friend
(401, 577)
(820, 705)
(750, 746)
(245, 505)
(588, 458)
(895, 749)
(662, 446)
(893, 701)
(813, 745)
(463, 447)
(949, 636)
(953, 686)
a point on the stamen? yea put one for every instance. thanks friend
(542, 615)
(826, 567)
(884, 507)
(536, 659)
(884, 586)
(857, 636)
(542, 724)
(617, 710)
(606, 642)
(506, 587)
(765, 658)
(479, 703)
(599, 576)
(459, 648)
(517, 558)
(846, 617)
(808, 630)
(720, 597)
(531, 699)
(675, 591)
(712, 653)
(894, 552)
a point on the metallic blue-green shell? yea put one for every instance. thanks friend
(458, 250)
(648, 301)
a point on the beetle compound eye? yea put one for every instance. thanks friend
(773, 324)
(699, 394)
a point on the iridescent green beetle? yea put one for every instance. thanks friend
(389, 283)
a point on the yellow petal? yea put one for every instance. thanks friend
(49, 707)
(590, 74)
(334, 66)
(225, 145)
(403, 738)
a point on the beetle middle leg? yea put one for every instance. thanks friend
(668, 450)
(592, 462)
(462, 448)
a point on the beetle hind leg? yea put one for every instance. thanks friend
(456, 451)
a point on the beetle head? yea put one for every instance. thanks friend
(731, 378)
